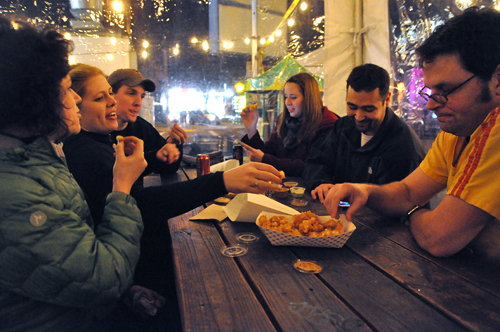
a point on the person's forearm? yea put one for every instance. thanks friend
(392, 199)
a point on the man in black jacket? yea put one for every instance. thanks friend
(129, 88)
(370, 144)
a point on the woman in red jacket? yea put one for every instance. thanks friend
(304, 121)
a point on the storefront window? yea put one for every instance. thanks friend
(198, 51)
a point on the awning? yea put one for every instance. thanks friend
(276, 77)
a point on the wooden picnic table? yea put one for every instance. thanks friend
(379, 281)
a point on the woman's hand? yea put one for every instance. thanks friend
(169, 153)
(253, 154)
(177, 135)
(128, 167)
(255, 178)
(249, 117)
(143, 301)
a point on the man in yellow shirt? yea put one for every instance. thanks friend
(461, 64)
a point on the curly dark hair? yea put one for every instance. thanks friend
(369, 77)
(474, 36)
(32, 65)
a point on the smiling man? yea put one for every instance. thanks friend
(461, 64)
(368, 145)
(129, 88)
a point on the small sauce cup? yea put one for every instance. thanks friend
(297, 191)
(281, 193)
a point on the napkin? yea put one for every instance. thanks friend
(213, 212)
(246, 207)
(224, 166)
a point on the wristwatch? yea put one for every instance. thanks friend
(412, 211)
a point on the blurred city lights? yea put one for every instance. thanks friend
(117, 6)
(239, 87)
(205, 45)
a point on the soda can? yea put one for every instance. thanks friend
(202, 164)
(238, 153)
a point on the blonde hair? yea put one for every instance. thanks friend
(80, 74)
(312, 110)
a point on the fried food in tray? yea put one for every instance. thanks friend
(303, 224)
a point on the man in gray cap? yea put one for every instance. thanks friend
(129, 88)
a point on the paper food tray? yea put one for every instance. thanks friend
(284, 239)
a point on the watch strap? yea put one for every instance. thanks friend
(412, 211)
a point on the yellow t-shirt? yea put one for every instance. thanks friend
(476, 176)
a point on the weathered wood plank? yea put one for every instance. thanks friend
(476, 270)
(462, 301)
(297, 301)
(213, 294)
(381, 301)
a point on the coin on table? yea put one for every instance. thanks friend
(307, 266)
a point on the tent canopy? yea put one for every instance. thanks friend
(276, 77)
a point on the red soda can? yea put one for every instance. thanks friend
(202, 164)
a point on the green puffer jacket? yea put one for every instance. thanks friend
(56, 273)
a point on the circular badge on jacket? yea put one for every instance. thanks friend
(38, 218)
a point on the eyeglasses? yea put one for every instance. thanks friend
(441, 98)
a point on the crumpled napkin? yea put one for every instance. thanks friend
(213, 212)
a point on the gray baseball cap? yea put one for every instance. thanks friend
(129, 77)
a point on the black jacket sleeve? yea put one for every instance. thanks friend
(315, 170)
(164, 202)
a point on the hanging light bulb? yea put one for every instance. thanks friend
(117, 6)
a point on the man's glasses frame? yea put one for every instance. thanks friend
(442, 98)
